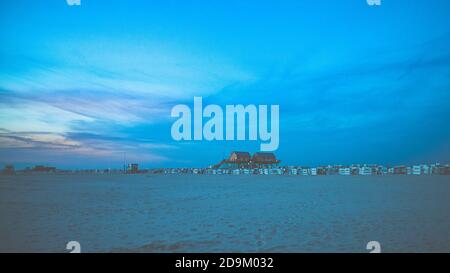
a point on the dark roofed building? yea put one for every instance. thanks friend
(9, 169)
(241, 160)
(44, 169)
(264, 158)
(239, 157)
(133, 168)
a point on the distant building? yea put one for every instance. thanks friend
(265, 159)
(240, 157)
(305, 171)
(9, 169)
(417, 170)
(444, 170)
(43, 169)
(321, 170)
(377, 170)
(276, 171)
(331, 170)
(292, 171)
(133, 168)
(400, 170)
(390, 170)
(236, 160)
(243, 160)
(365, 170)
(425, 169)
(434, 168)
(344, 171)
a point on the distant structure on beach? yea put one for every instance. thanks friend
(9, 169)
(43, 169)
(262, 160)
(133, 168)
(240, 157)
(243, 160)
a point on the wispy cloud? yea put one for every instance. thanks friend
(82, 92)
(80, 145)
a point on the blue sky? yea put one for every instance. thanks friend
(85, 85)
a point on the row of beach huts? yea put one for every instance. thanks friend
(242, 163)
(365, 169)
(267, 164)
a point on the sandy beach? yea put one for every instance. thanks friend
(224, 213)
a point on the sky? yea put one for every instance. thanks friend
(92, 86)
